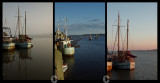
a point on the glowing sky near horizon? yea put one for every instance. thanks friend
(142, 25)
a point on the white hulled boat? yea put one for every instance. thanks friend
(65, 45)
(7, 39)
(90, 37)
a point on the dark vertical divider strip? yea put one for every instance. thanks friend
(1, 71)
(105, 37)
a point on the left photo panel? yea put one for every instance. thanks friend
(27, 30)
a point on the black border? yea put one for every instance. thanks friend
(53, 1)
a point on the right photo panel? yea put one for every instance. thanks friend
(132, 41)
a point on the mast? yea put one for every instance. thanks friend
(58, 26)
(127, 33)
(18, 20)
(25, 22)
(118, 30)
(5, 23)
(66, 28)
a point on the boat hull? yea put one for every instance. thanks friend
(69, 51)
(126, 65)
(8, 46)
(24, 45)
(109, 66)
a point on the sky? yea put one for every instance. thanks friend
(39, 16)
(142, 24)
(83, 18)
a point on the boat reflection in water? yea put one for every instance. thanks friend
(69, 60)
(117, 74)
(24, 54)
(8, 56)
(15, 64)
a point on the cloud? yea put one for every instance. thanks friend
(94, 20)
(86, 26)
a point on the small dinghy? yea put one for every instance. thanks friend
(65, 67)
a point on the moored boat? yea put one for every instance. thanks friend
(109, 61)
(96, 36)
(66, 49)
(109, 66)
(65, 45)
(22, 41)
(59, 36)
(123, 59)
(126, 65)
(7, 39)
(90, 37)
(65, 67)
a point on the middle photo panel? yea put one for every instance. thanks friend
(79, 40)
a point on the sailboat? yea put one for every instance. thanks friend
(7, 39)
(123, 59)
(90, 37)
(96, 36)
(23, 40)
(65, 45)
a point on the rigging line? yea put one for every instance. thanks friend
(115, 21)
(112, 39)
(22, 26)
(121, 21)
(122, 39)
(125, 37)
(16, 28)
(115, 40)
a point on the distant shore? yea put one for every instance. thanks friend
(139, 50)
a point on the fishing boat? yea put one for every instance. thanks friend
(109, 66)
(65, 45)
(109, 62)
(7, 39)
(59, 36)
(123, 59)
(90, 37)
(23, 40)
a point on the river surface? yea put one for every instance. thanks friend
(35, 63)
(88, 62)
(145, 67)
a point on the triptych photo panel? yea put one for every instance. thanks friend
(56, 41)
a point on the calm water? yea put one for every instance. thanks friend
(145, 69)
(88, 62)
(35, 63)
